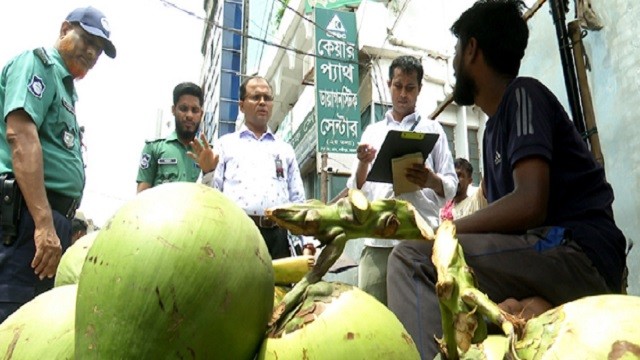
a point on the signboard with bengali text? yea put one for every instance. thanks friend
(337, 81)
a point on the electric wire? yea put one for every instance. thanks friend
(265, 34)
(247, 36)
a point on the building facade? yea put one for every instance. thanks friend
(223, 49)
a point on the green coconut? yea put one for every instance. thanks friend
(339, 321)
(43, 328)
(180, 271)
(594, 327)
(72, 260)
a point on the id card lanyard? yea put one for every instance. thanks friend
(279, 167)
(415, 123)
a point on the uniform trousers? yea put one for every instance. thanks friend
(18, 281)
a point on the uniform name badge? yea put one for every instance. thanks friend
(68, 138)
(170, 161)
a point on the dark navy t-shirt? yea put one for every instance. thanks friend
(531, 122)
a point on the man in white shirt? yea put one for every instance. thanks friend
(436, 177)
(253, 167)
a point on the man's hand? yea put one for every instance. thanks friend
(48, 252)
(28, 167)
(203, 154)
(309, 249)
(366, 153)
(425, 178)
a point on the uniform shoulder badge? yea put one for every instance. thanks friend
(144, 161)
(41, 53)
(36, 86)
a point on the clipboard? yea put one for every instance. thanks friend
(397, 144)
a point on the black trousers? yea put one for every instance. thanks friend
(277, 241)
(18, 282)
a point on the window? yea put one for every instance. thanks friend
(365, 118)
(231, 60)
(232, 15)
(231, 40)
(228, 111)
(474, 154)
(230, 85)
(448, 130)
(378, 114)
(226, 128)
(337, 183)
(309, 181)
(379, 111)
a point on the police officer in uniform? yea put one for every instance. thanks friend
(40, 155)
(166, 160)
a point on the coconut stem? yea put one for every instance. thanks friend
(448, 344)
(355, 216)
(326, 259)
(333, 225)
(462, 323)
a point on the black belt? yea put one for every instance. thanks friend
(263, 221)
(63, 204)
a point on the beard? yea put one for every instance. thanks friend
(465, 89)
(184, 133)
(76, 68)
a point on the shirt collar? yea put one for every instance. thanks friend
(407, 121)
(66, 75)
(245, 132)
(173, 136)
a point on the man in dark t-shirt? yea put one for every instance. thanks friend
(530, 122)
(548, 232)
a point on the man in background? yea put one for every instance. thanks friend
(253, 167)
(462, 204)
(40, 148)
(166, 160)
(435, 177)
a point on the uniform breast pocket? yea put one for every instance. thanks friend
(168, 170)
(68, 133)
